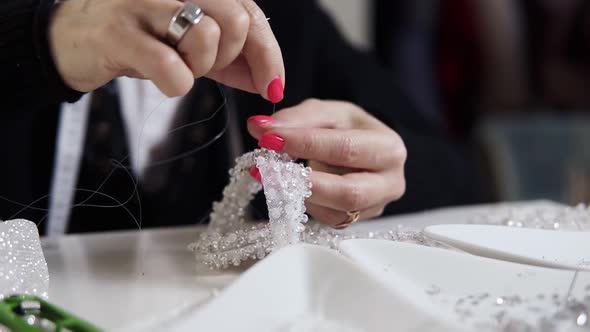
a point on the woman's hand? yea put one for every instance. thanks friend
(357, 161)
(94, 41)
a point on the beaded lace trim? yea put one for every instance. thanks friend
(229, 240)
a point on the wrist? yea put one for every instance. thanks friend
(57, 89)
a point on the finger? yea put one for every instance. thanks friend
(199, 46)
(311, 113)
(156, 15)
(314, 113)
(153, 60)
(262, 52)
(234, 21)
(326, 168)
(333, 217)
(200, 43)
(355, 191)
(236, 75)
(354, 148)
(260, 124)
(261, 49)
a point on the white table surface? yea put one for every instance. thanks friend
(126, 280)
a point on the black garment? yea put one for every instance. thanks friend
(29, 77)
(319, 64)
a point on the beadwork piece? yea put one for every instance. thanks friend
(229, 240)
(23, 269)
(551, 217)
(286, 186)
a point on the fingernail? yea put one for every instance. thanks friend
(271, 142)
(261, 120)
(255, 172)
(275, 90)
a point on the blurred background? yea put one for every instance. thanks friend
(508, 79)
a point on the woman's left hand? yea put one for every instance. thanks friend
(357, 161)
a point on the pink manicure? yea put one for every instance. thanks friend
(261, 120)
(275, 90)
(255, 173)
(271, 142)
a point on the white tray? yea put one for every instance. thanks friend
(455, 282)
(304, 283)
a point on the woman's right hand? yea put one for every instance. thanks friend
(94, 41)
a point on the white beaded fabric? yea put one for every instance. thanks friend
(228, 239)
(23, 269)
(550, 217)
(286, 186)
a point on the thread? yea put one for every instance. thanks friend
(135, 182)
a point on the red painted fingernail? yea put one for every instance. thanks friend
(255, 172)
(271, 142)
(260, 120)
(275, 90)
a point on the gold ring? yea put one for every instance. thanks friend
(352, 217)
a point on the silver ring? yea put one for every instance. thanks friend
(186, 16)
